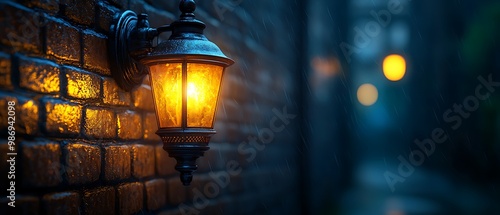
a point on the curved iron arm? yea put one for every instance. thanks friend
(163, 28)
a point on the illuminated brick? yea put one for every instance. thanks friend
(130, 198)
(129, 125)
(41, 164)
(63, 41)
(116, 162)
(81, 85)
(100, 123)
(143, 97)
(5, 71)
(62, 117)
(4, 99)
(95, 55)
(155, 193)
(82, 163)
(26, 114)
(99, 201)
(38, 75)
(143, 161)
(61, 203)
(79, 11)
(164, 164)
(20, 28)
(26, 117)
(114, 95)
(150, 127)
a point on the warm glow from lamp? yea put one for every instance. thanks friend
(192, 92)
(394, 67)
(201, 87)
(203, 82)
(367, 94)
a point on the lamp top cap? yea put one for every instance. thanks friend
(187, 6)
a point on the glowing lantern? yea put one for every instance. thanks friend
(185, 74)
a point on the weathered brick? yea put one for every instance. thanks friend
(61, 203)
(82, 163)
(100, 123)
(116, 162)
(120, 3)
(38, 75)
(236, 184)
(155, 193)
(233, 132)
(26, 205)
(41, 164)
(62, 117)
(62, 41)
(217, 157)
(143, 97)
(99, 201)
(214, 208)
(150, 127)
(130, 198)
(4, 166)
(172, 6)
(26, 116)
(197, 183)
(114, 95)
(230, 108)
(204, 163)
(143, 161)
(105, 15)
(165, 165)
(81, 85)
(176, 191)
(129, 125)
(220, 136)
(20, 28)
(170, 212)
(95, 54)
(51, 6)
(157, 17)
(5, 71)
(79, 11)
(4, 99)
(137, 6)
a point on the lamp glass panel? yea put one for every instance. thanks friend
(203, 81)
(166, 81)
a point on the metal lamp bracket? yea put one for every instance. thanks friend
(130, 40)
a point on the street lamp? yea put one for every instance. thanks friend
(185, 74)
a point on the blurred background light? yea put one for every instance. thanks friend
(325, 67)
(394, 67)
(367, 94)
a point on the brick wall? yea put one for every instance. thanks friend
(85, 146)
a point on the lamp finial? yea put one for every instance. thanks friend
(187, 8)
